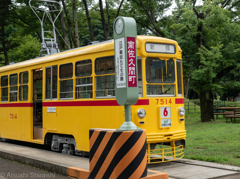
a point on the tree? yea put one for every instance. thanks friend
(5, 6)
(28, 48)
(75, 24)
(89, 20)
(106, 30)
(210, 40)
(64, 29)
(69, 24)
(150, 14)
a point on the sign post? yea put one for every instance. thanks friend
(125, 46)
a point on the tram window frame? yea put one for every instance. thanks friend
(84, 63)
(140, 82)
(23, 93)
(12, 86)
(179, 78)
(52, 95)
(60, 69)
(84, 82)
(84, 89)
(163, 84)
(105, 74)
(23, 79)
(63, 81)
(4, 87)
(105, 67)
(162, 68)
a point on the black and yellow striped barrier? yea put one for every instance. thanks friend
(117, 154)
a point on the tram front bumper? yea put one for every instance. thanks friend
(158, 149)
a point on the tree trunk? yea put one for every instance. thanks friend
(103, 21)
(206, 105)
(186, 86)
(69, 24)
(89, 20)
(65, 35)
(4, 45)
(75, 24)
(108, 18)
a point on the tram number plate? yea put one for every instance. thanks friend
(163, 101)
(165, 122)
(13, 116)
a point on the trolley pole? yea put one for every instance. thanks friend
(125, 48)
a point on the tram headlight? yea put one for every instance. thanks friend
(141, 113)
(181, 111)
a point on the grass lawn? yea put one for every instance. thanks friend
(215, 141)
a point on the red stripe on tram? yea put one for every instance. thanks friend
(16, 105)
(74, 103)
(179, 101)
(91, 103)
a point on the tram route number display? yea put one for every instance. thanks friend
(165, 112)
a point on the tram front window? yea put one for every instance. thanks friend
(160, 71)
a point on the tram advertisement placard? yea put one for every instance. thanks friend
(131, 60)
(165, 122)
(120, 63)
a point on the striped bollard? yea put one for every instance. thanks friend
(117, 154)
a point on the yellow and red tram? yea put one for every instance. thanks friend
(56, 99)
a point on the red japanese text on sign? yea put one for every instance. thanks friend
(131, 62)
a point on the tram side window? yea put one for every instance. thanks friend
(179, 77)
(105, 81)
(51, 82)
(84, 81)
(66, 81)
(13, 87)
(4, 88)
(105, 65)
(23, 86)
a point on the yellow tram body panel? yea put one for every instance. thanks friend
(74, 117)
(16, 123)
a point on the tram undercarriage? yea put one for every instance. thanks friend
(156, 152)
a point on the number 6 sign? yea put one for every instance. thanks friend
(165, 112)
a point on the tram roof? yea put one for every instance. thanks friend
(94, 48)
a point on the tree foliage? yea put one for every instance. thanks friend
(210, 39)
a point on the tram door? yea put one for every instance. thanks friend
(37, 103)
